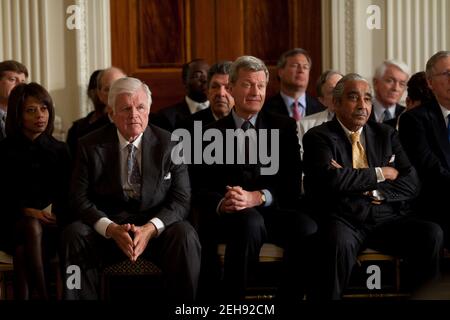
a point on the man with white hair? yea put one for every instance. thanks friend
(131, 200)
(389, 83)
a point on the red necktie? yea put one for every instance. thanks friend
(295, 111)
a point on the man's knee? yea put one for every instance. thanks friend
(183, 232)
(76, 231)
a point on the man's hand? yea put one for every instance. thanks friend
(389, 173)
(237, 199)
(119, 233)
(43, 216)
(142, 236)
(335, 165)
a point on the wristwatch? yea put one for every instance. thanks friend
(263, 198)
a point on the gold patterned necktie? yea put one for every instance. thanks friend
(359, 159)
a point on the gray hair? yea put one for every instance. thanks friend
(338, 90)
(324, 78)
(433, 60)
(130, 86)
(248, 63)
(223, 67)
(290, 53)
(381, 69)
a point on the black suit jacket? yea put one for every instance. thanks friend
(96, 184)
(339, 192)
(205, 116)
(423, 134)
(172, 117)
(284, 185)
(276, 104)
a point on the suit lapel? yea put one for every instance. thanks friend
(373, 147)
(342, 144)
(151, 165)
(107, 151)
(440, 130)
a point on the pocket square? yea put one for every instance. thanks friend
(392, 159)
(167, 176)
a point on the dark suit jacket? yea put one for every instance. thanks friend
(392, 122)
(205, 116)
(83, 126)
(276, 104)
(172, 117)
(423, 134)
(96, 184)
(284, 185)
(339, 192)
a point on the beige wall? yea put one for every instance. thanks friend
(35, 33)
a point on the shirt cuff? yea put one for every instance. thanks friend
(101, 225)
(380, 176)
(269, 198)
(218, 206)
(159, 225)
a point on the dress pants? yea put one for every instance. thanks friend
(419, 242)
(176, 251)
(244, 232)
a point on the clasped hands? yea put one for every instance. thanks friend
(236, 199)
(131, 239)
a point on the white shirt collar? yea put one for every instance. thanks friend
(123, 143)
(195, 106)
(348, 133)
(288, 101)
(238, 121)
(378, 110)
(445, 113)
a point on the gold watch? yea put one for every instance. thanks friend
(263, 198)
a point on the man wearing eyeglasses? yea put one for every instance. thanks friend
(389, 83)
(12, 73)
(425, 135)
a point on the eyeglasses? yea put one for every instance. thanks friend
(443, 74)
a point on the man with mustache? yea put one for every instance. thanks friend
(361, 182)
(193, 75)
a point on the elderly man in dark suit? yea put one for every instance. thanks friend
(131, 199)
(244, 207)
(425, 135)
(389, 83)
(361, 182)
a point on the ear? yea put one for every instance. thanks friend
(430, 83)
(321, 100)
(110, 111)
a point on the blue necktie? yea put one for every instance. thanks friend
(387, 115)
(133, 172)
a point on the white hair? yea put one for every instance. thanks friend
(127, 85)
(381, 69)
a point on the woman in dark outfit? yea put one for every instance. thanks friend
(35, 176)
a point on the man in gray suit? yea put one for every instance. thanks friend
(131, 200)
